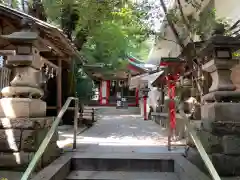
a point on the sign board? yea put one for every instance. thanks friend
(121, 102)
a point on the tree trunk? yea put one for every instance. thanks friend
(37, 10)
(23, 5)
(173, 28)
(185, 21)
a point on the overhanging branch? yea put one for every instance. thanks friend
(173, 28)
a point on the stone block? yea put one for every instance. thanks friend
(223, 128)
(220, 72)
(210, 142)
(221, 112)
(51, 153)
(26, 123)
(28, 141)
(17, 160)
(10, 140)
(31, 139)
(21, 91)
(41, 134)
(226, 165)
(196, 124)
(33, 60)
(22, 107)
(26, 76)
(221, 96)
(231, 145)
(235, 76)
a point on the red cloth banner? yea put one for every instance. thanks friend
(171, 81)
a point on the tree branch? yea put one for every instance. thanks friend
(165, 39)
(185, 21)
(173, 28)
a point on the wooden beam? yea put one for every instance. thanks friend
(49, 63)
(59, 85)
(7, 52)
(42, 46)
(53, 47)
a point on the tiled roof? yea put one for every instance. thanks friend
(55, 32)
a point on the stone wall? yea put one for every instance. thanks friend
(20, 138)
(220, 110)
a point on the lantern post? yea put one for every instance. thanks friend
(173, 67)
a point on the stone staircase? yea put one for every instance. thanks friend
(81, 165)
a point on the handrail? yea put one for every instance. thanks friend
(49, 135)
(200, 147)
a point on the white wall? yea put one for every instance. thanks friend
(228, 8)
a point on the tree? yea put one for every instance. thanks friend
(104, 31)
(11, 3)
(36, 9)
(205, 26)
(171, 24)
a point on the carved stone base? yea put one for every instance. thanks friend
(22, 91)
(26, 76)
(20, 138)
(221, 128)
(210, 142)
(22, 107)
(220, 73)
(222, 96)
(220, 112)
(226, 165)
(219, 135)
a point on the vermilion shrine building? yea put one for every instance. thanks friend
(110, 84)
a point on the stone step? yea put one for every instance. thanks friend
(114, 111)
(131, 162)
(64, 168)
(77, 175)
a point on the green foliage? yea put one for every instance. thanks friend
(107, 43)
(14, 3)
(104, 31)
(195, 4)
(114, 37)
(84, 88)
(204, 26)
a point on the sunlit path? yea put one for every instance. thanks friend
(122, 133)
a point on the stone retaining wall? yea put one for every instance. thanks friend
(20, 138)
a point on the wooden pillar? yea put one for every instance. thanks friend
(59, 85)
(162, 98)
(145, 107)
(137, 96)
(100, 93)
(108, 91)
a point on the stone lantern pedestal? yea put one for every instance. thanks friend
(23, 121)
(220, 111)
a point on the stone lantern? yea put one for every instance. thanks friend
(22, 97)
(23, 121)
(220, 112)
(144, 92)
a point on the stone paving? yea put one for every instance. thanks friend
(124, 133)
(115, 134)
